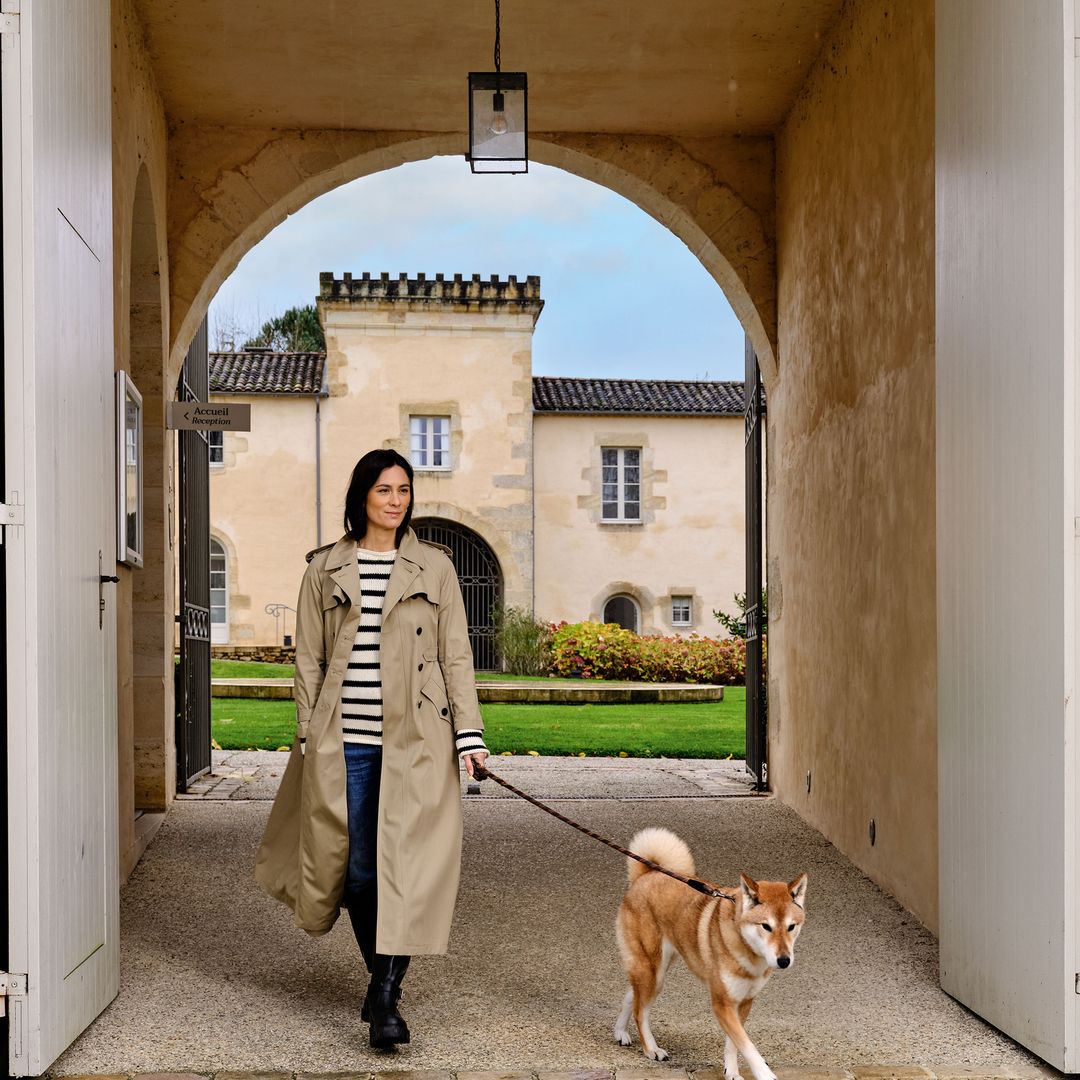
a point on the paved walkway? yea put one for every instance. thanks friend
(255, 774)
(214, 977)
(658, 1072)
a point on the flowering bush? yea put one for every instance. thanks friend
(606, 651)
(591, 650)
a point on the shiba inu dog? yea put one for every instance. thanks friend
(732, 943)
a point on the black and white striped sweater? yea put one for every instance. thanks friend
(361, 690)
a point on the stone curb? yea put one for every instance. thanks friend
(522, 693)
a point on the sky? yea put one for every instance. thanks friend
(624, 297)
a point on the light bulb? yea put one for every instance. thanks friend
(498, 125)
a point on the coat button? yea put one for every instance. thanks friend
(419, 667)
(419, 630)
(444, 712)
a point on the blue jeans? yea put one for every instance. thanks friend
(362, 771)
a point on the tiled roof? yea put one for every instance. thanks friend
(254, 372)
(651, 396)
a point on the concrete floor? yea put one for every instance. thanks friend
(214, 976)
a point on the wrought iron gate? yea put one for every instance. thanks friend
(481, 583)
(756, 700)
(193, 671)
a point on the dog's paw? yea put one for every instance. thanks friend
(659, 1054)
(732, 1076)
(623, 1037)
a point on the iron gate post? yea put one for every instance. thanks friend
(756, 701)
(193, 750)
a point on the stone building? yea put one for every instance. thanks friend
(614, 499)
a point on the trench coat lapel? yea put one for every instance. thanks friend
(342, 566)
(407, 566)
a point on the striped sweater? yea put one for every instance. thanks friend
(361, 690)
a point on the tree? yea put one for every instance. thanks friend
(296, 330)
(229, 326)
(735, 625)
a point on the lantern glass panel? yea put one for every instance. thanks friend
(498, 140)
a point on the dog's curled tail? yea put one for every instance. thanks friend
(659, 846)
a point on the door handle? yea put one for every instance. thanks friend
(103, 579)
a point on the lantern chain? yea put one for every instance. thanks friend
(498, 48)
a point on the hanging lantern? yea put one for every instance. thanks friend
(498, 117)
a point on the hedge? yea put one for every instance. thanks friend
(590, 650)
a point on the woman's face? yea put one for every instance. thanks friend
(388, 498)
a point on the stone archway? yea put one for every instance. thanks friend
(229, 189)
(145, 638)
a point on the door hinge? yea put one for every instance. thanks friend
(9, 22)
(1076, 985)
(11, 986)
(11, 514)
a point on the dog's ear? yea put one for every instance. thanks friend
(750, 889)
(798, 890)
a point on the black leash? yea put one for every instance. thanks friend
(481, 772)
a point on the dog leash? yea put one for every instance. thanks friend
(481, 772)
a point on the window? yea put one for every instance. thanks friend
(430, 442)
(219, 593)
(682, 611)
(216, 441)
(623, 611)
(129, 466)
(620, 492)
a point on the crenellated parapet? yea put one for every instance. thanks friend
(473, 293)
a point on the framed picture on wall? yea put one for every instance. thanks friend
(129, 472)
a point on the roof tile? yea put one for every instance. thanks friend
(258, 372)
(650, 396)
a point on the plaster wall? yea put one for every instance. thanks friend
(851, 550)
(691, 541)
(262, 511)
(146, 596)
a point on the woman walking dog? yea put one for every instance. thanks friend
(368, 815)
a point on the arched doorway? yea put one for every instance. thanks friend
(481, 582)
(623, 611)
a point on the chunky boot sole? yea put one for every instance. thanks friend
(385, 1040)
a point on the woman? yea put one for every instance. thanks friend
(368, 815)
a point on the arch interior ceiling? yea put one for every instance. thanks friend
(696, 69)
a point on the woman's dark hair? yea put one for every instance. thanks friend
(368, 470)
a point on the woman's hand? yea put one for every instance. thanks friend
(474, 759)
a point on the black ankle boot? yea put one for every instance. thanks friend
(388, 1026)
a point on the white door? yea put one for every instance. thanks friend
(60, 466)
(1008, 516)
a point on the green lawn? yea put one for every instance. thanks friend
(709, 730)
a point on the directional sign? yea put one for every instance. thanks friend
(208, 416)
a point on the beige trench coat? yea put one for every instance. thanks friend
(429, 693)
